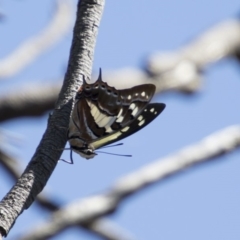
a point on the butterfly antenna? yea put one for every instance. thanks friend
(115, 145)
(115, 154)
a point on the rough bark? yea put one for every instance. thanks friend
(45, 159)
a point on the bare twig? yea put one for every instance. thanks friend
(32, 100)
(86, 210)
(101, 227)
(32, 48)
(13, 167)
(40, 168)
(10, 164)
(109, 230)
(221, 41)
(180, 70)
(183, 68)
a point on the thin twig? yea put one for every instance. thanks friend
(86, 210)
(183, 68)
(32, 48)
(33, 100)
(109, 230)
(101, 227)
(220, 41)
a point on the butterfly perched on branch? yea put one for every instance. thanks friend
(103, 115)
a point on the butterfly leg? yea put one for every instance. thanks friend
(69, 162)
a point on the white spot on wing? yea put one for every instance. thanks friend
(143, 94)
(104, 121)
(100, 119)
(125, 129)
(142, 122)
(108, 129)
(108, 126)
(129, 97)
(135, 111)
(140, 118)
(136, 94)
(89, 104)
(98, 143)
(132, 106)
(145, 110)
(120, 119)
(94, 111)
(155, 113)
(120, 113)
(152, 110)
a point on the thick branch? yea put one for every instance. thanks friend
(46, 156)
(89, 209)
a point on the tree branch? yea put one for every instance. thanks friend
(32, 48)
(89, 209)
(101, 227)
(40, 168)
(182, 70)
(177, 71)
(109, 230)
(32, 100)
(219, 42)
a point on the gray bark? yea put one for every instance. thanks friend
(45, 159)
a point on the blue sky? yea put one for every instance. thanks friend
(200, 203)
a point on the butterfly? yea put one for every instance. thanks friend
(103, 115)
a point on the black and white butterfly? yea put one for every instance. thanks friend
(103, 115)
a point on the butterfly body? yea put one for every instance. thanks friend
(103, 115)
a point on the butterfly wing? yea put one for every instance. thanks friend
(103, 115)
(113, 109)
(146, 116)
